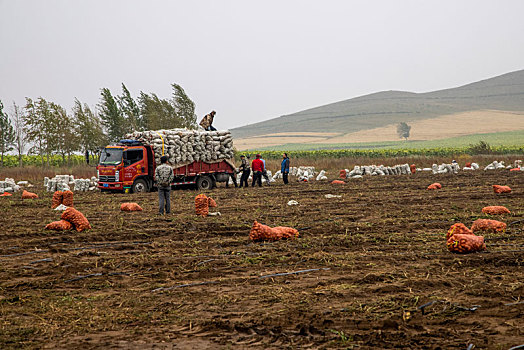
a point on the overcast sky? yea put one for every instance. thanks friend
(253, 60)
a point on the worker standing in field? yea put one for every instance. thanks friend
(284, 168)
(207, 121)
(245, 169)
(258, 169)
(264, 172)
(164, 176)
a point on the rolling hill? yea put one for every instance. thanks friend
(490, 99)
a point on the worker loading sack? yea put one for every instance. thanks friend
(184, 146)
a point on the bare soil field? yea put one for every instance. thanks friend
(370, 270)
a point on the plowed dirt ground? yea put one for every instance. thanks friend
(375, 256)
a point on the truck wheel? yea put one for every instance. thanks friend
(204, 183)
(140, 186)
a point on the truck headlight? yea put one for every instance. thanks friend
(117, 175)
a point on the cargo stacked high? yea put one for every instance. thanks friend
(199, 158)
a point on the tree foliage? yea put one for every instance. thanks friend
(111, 116)
(122, 114)
(19, 129)
(88, 128)
(403, 130)
(7, 133)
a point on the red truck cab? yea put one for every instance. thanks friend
(131, 165)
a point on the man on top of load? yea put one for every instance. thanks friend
(207, 121)
(258, 168)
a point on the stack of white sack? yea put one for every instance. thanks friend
(84, 185)
(58, 183)
(495, 165)
(373, 170)
(444, 168)
(65, 182)
(321, 176)
(9, 185)
(183, 146)
(303, 173)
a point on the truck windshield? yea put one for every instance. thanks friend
(111, 156)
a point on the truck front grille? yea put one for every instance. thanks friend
(106, 178)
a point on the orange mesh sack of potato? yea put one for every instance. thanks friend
(67, 198)
(435, 186)
(501, 189)
(459, 243)
(496, 210)
(211, 202)
(29, 195)
(458, 228)
(78, 219)
(57, 199)
(5, 194)
(283, 232)
(342, 174)
(130, 207)
(201, 205)
(61, 225)
(488, 225)
(260, 232)
(337, 182)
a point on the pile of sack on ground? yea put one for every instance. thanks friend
(303, 173)
(500, 165)
(454, 167)
(65, 182)
(373, 170)
(9, 185)
(184, 146)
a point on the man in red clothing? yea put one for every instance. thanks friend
(258, 168)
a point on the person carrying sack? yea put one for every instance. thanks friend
(207, 121)
(164, 176)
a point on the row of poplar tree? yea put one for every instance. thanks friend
(45, 128)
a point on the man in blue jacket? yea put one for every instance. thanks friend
(284, 168)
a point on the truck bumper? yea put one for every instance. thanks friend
(115, 186)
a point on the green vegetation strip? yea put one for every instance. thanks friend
(386, 153)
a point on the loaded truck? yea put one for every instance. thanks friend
(130, 165)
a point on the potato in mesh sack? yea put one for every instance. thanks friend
(495, 210)
(29, 195)
(458, 228)
(5, 194)
(342, 174)
(501, 189)
(202, 205)
(67, 198)
(460, 243)
(61, 225)
(260, 232)
(337, 182)
(434, 186)
(130, 207)
(57, 199)
(488, 225)
(211, 202)
(78, 219)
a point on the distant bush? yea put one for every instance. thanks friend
(481, 147)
